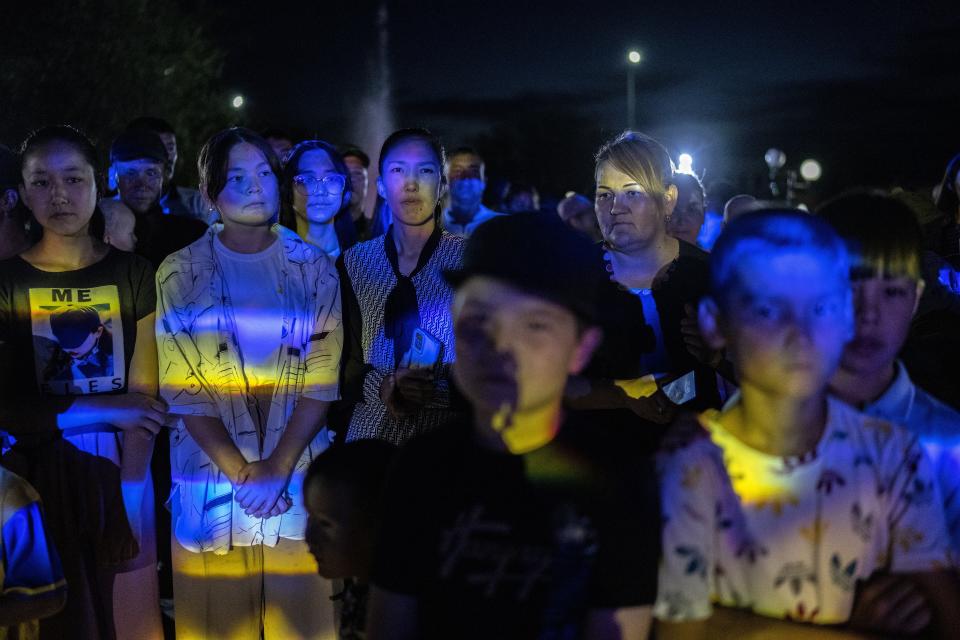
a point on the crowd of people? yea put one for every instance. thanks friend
(257, 410)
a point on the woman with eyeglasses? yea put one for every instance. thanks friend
(316, 197)
(249, 340)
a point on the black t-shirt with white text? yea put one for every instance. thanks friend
(72, 332)
(519, 546)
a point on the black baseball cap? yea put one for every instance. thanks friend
(138, 144)
(539, 254)
(73, 326)
(9, 168)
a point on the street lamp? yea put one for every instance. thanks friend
(810, 170)
(237, 101)
(633, 59)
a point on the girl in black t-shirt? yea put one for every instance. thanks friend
(78, 391)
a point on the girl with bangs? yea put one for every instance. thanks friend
(884, 239)
(249, 336)
(317, 193)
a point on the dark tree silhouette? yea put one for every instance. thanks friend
(97, 64)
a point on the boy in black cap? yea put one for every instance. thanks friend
(138, 161)
(521, 522)
(13, 234)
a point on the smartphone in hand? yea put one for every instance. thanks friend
(425, 352)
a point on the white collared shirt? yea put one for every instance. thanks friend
(465, 230)
(938, 428)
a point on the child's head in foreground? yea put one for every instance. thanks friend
(524, 313)
(779, 301)
(884, 240)
(342, 492)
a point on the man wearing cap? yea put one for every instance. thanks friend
(138, 160)
(522, 521)
(13, 234)
(174, 200)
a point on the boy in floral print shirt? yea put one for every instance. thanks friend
(795, 497)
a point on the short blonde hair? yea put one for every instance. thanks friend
(643, 159)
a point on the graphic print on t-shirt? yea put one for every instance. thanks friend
(77, 339)
(486, 553)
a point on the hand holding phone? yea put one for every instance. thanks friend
(425, 352)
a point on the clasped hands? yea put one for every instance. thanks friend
(260, 488)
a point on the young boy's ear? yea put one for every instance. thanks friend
(590, 339)
(708, 317)
(921, 285)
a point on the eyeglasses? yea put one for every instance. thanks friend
(307, 185)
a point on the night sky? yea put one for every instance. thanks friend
(868, 88)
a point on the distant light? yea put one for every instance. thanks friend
(685, 163)
(168, 71)
(811, 170)
(634, 56)
(237, 102)
(775, 158)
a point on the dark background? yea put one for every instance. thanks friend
(870, 89)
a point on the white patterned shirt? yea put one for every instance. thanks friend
(790, 537)
(201, 374)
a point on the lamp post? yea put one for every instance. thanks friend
(775, 160)
(810, 171)
(633, 59)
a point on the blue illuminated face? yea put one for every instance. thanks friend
(139, 183)
(251, 196)
(359, 179)
(322, 203)
(785, 323)
(411, 182)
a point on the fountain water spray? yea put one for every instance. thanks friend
(375, 113)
